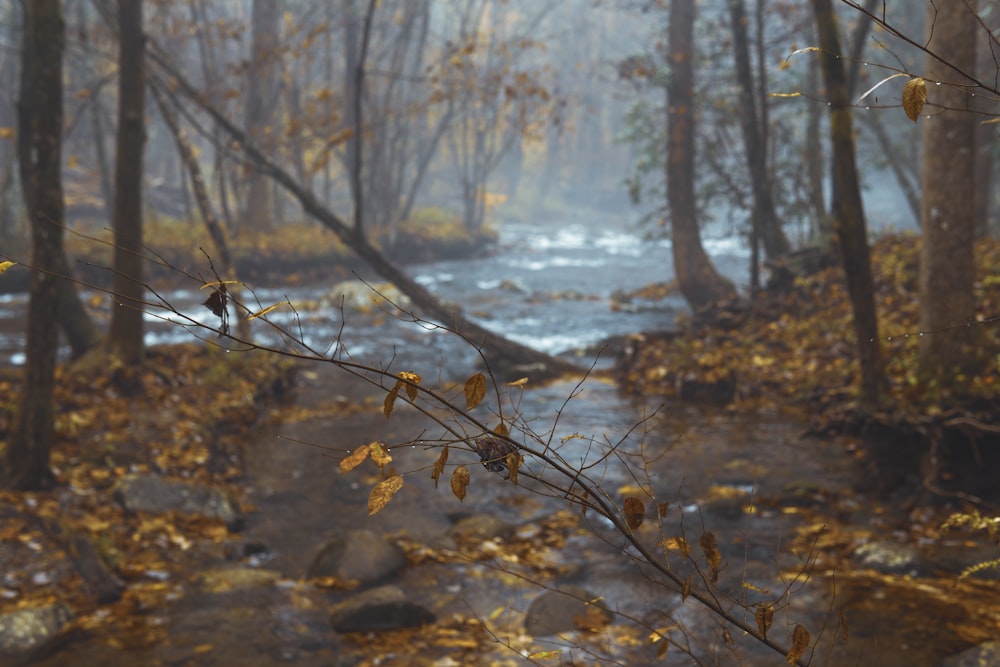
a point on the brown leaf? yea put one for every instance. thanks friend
(764, 615)
(390, 400)
(635, 512)
(800, 642)
(380, 455)
(712, 555)
(914, 96)
(382, 493)
(661, 509)
(475, 390)
(662, 651)
(514, 461)
(354, 459)
(686, 591)
(439, 466)
(460, 481)
(501, 429)
(414, 379)
(591, 620)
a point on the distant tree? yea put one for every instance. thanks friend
(698, 280)
(848, 209)
(948, 176)
(261, 108)
(40, 119)
(126, 332)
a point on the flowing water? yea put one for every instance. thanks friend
(550, 287)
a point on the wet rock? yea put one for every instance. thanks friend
(708, 392)
(383, 608)
(571, 608)
(360, 555)
(984, 655)
(28, 633)
(480, 528)
(955, 557)
(157, 494)
(888, 557)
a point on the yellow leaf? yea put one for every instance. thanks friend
(390, 400)
(514, 461)
(412, 378)
(4, 265)
(6, 132)
(686, 590)
(460, 481)
(518, 383)
(475, 390)
(382, 493)
(678, 544)
(544, 655)
(265, 311)
(73, 161)
(380, 455)
(800, 642)
(439, 466)
(914, 96)
(355, 459)
(635, 512)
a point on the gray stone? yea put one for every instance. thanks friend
(157, 494)
(568, 609)
(984, 655)
(30, 632)
(383, 608)
(360, 555)
(888, 557)
(481, 527)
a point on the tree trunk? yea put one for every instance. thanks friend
(125, 335)
(260, 108)
(698, 280)
(40, 148)
(948, 183)
(848, 210)
(765, 218)
(499, 350)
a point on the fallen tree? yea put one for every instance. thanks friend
(501, 352)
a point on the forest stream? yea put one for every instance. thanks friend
(781, 506)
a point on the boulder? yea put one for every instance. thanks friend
(155, 493)
(28, 633)
(383, 608)
(569, 609)
(359, 555)
(987, 653)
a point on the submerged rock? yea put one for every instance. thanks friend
(155, 493)
(571, 608)
(28, 633)
(987, 653)
(360, 555)
(888, 557)
(383, 608)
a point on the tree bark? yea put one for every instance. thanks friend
(260, 108)
(947, 212)
(698, 280)
(40, 148)
(848, 210)
(126, 332)
(500, 351)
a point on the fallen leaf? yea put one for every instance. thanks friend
(382, 493)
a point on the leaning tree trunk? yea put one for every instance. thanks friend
(40, 147)
(499, 350)
(698, 280)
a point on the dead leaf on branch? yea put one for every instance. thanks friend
(380, 455)
(439, 464)
(382, 493)
(390, 400)
(413, 379)
(712, 555)
(635, 512)
(460, 481)
(764, 616)
(514, 461)
(6, 264)
(914, 96)
(353, 460)
(475, 390)
(800, 642)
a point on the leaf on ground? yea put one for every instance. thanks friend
(914, 96)
(460, 481)
(439, 466)
(390, 400)
(380, 455)
(800, 642)
(354, 459)
(382, 493)
(6, 264)
(635, 512)
(712, 555)
(413, 379)
(475, 390)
